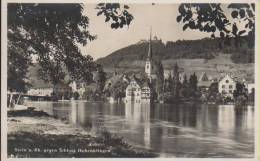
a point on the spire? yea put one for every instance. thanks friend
(150, 46)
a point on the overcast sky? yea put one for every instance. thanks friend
(161, 17)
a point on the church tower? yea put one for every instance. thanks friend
(149, 65)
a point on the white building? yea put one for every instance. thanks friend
(227, 86)
(40, 91)
(133, 92)
(78, 87)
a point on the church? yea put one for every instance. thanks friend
(137, 91)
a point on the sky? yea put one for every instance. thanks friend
(160, 17)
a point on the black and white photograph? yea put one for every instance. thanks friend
(130, 80)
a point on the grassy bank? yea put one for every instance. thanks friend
(36, 134)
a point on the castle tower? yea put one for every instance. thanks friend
(149, 67)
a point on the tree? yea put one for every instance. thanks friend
(118, 89)
(52, 32)
(116, 13)
(185, 91)
(176, 81)
(240, 90)
(211, 18)
(75, 95)
(100, 78)
(160, 77)
(251, 96)
(193, 86)
(18, 63)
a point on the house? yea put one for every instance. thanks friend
(40, 88)
(133, 91)
(46, 89)
(227, 86)
(78, 87)
(204, 82)
(42, 91)
(146, 93)
(137, 92)
(249, 84)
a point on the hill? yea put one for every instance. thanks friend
(205, 55)
(186, 49)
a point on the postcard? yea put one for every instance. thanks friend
(129, 79)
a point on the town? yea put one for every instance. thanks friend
(152, 84)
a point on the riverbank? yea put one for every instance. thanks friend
(36, 134)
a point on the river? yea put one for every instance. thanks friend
(186, 130)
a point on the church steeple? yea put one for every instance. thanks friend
(150, 52)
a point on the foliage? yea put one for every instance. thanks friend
(115, 13)
(251, 96)
(100, 78)
(240, 90)
(75, 95)
(186, 49)
(193, 82)
(89, 94)
(118, 89)
(52, 33)
(176, 81)
(18, 62)
(211, 18)
(160, 77)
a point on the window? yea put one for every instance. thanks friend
(223, 86)
(230, 86)
(223, 92)
(227, 81)
(230, 91)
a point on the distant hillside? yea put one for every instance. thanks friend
(206, 48)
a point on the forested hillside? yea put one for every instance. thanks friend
(182, 49)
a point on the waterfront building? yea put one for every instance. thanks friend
(40, 88)
(133, 91)
(61, 89)
(78, 87)
(40, 91)
(227, 86)
(138, 91)
(250, 85)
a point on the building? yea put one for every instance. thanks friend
(78, 87)
(146, 93)
(42, 91)
(61, 90)
(227, 86)
(137, 92)
(133, 91)
(149, 64)
(204, 82)
(40, 88)
(250, 85)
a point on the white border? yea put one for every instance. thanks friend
(4, 77)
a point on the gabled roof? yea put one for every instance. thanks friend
(203, 77)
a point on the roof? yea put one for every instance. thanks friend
(203, 77)
(204, 83)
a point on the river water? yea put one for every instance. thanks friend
(186, 130)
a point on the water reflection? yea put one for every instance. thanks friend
(186, 130)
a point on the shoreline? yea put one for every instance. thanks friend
(36, 134)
